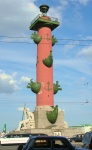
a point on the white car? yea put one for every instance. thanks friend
(14, 139)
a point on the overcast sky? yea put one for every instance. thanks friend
(72, 59)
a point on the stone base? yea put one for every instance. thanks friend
(57, 131)
(42, 125)
(41, 120)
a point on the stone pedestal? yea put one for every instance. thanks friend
(41, 120)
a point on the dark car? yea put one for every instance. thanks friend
(76, 138)
(20, 146)
(87, 140)
(49, 143)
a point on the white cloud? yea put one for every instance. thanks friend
(79, 65)
(7, 83)
(20, 108)
(71, 45)
(82, 81)
(21, 57)
(14, 74)
(15, 16)
(86, 52)
(88, 38)
(58, 10)
(83, 2)
(24, 79)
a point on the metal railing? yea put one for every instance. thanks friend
(40, 15)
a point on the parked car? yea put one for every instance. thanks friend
(87, 140)
(76, 138)
(20, 146)
(16, 138)
(49, 142)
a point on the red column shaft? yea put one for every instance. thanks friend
(44, 74)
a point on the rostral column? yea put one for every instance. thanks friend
(42, 36)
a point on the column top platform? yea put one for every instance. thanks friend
(42, 20)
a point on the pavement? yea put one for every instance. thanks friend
(77, 144)
(8, 147)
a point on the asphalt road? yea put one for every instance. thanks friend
(8, 147)
(15, 147)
